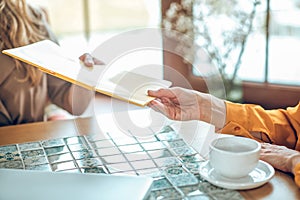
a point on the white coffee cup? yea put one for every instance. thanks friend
(234, 157)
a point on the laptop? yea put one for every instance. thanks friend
(37, 185)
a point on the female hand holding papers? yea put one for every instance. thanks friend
(89, 61)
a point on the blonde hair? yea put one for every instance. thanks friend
(22, 24)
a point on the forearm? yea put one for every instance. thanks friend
(78, 99)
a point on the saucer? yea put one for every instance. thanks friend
(259, 176)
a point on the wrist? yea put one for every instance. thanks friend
(218, 113)
(212, 110)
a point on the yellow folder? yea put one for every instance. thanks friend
(49, 57)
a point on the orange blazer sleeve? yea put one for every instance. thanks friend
(279, 126)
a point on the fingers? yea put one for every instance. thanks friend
(279, 157)
(166, 108)
(168, 93)
(89, 60)
(265, 146)
(97, 61)
(157, 106)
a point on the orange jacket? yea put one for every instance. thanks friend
(280, 126)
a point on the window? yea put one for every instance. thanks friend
(274, 59)
(82, 25)
(284, 44)
(269, 63)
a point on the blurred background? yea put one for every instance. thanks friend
(269, 71)
(89, 22)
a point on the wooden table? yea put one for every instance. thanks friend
(280, 187)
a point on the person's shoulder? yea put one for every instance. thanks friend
(7, 66)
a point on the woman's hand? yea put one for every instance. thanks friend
(183, 104)
(280, 157)
(175, 103)
(89, 61)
